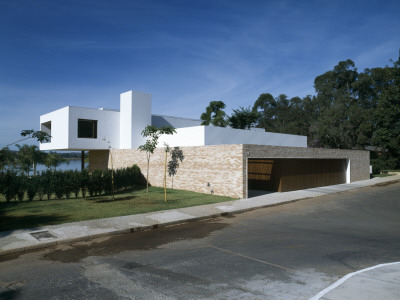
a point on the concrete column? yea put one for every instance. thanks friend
(82, 160)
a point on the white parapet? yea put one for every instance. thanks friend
(211, 135)
(226, 136)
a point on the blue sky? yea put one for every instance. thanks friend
(185, 53)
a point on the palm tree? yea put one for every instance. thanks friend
(54, 159)
(29, 156)
(24, 161)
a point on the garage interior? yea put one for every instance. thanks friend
(266, 175)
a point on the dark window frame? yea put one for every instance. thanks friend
(86, 132)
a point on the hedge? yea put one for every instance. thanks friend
(65, 184)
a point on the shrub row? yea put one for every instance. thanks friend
(65, 184)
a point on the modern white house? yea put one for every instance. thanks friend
(231, 161)
(78, 128)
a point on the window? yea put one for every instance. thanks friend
(46, 127)
(87, 129)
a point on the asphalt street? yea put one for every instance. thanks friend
(290, 251)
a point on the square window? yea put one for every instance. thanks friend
(87, 129)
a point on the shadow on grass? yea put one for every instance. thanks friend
(108, 199)
(130, 190)
(11, 223)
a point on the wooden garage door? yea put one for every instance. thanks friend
(284, 175)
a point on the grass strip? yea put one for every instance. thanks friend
(18, 215)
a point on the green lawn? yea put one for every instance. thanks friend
(382, 175)
(15, 215)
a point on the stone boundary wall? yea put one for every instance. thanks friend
(224, 167)
(221, 166)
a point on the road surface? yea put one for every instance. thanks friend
(290, 251)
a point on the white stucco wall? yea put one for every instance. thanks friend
(59, 129)
(188, 136)
(64, 129)
(211, 135)
(135, 115)
(107, 129)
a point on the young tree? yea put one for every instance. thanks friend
(167, 149)
(112, 168)
(173, 164)
(214, 114)
(152, 134)
(40, 136)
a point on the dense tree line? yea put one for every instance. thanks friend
(350, 110)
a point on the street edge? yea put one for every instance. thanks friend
(159, 225)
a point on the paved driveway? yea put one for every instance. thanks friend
(291, 251)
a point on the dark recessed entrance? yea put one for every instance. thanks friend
(289, 174)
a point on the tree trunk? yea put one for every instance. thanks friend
(147, 175)
(165, 178)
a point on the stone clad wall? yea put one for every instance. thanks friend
(221, 166)
(98, 159)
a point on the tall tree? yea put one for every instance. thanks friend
(343, 108)
(387, 114)
(265, 106)
(243, 118)
(215, 114)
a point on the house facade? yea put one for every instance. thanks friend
(223, 161)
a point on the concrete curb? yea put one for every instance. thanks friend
(19, 241)
(357, 289)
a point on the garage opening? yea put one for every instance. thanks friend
(267, 175)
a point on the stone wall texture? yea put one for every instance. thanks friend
(204, 169)
(221, 168)
(98, 159)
